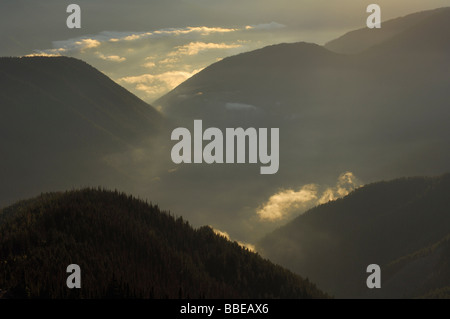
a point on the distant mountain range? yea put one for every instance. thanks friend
(127, 248)
(402, 225)
(360, 40)
(381, 113)
(373, 103)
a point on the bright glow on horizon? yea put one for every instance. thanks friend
(150, 64)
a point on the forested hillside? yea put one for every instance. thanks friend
(128, 248)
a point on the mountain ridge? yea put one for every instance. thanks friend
(61, 121)
(363, 39)
(128, 248)
(380, 114)
(380, 223)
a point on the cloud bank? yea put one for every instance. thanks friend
(288, 202)
(154, 85)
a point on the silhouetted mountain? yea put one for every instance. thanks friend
(429, 36)
(402, 225)
(259, 82)
(128, 248)
(360, 40)
(60, 119)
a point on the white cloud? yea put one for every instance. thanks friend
(94, 41)
(346, 183)
(283, 204)
(170, 60)
(43, 54)
(133, 37)
(112, 58)
(280, 205)
(78, 44)
(84, 44)
(203, 31)
(171, 55)
(116, 36)
(200, 30)
(50, 52)
(266, 26)
(149, 65)
(194, 48)
(171, 78)
(157, 84)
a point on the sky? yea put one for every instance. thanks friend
(150, 47)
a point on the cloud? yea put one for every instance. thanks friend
(171, 55)
(156, 84)
(240, 107)
(84, 44)
(266, 26)
(133, 37)
(188, 30)
(112, 58)
(346, 183)
(283, 204)
(49, 53)
(194, 48)
(149, 65)
(280, 205)
(116, 36)
(171, 60)
(250, 247)
(203, 31)
(78, 44)
(43, 54)
(171, 78)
